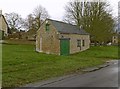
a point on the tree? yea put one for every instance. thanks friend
(94, 17)
(40, 14)
(74, 12)
(34, 20)
(14, 21)
(29, 22)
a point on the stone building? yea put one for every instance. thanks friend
(115, 39)
(3, 25)
(56, 37)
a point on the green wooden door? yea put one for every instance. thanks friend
(64, 47)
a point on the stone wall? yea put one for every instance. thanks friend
(48, 41)
(73, 42)
(3, 25)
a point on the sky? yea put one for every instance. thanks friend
(55, 8)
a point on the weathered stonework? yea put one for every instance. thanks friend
(3, 25)
(73, 42)
(49, 41)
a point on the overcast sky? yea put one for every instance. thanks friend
(55, 8)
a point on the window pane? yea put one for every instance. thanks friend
(47, 27)
(78, 43)
(83, 42)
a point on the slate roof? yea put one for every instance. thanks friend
(68, 28)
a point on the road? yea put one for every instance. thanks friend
(105, 77)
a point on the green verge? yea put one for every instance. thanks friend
(22, 65)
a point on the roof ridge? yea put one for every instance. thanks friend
(66, 27)
(62, 22)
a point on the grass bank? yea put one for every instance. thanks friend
(22, 65)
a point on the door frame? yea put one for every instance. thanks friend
(67, 39)
(40, 44)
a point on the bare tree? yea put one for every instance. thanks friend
(14, 21)
(29, 22)
(40, 14)
(94, 17)
(75, 12)
(34, 20)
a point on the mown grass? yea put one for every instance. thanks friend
(22, 65)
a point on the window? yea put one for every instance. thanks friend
(114, 41)
(114, 37)
(47, 27)
(78, 43)
(83, 42)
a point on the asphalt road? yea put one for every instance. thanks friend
(105, 77)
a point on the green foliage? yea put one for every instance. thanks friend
(22, 65)
(94, 17)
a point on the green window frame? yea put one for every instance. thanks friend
(47, 27)
(78, 43)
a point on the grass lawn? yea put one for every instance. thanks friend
(22, 65)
